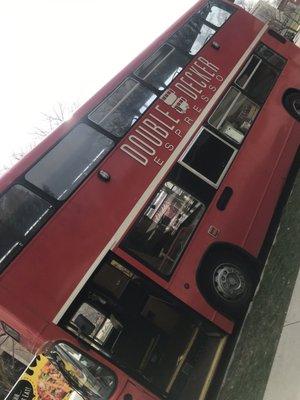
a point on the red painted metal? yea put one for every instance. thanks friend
(40, 280)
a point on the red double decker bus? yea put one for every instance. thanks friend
(130, 236)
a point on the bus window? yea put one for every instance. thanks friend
(62, 170)
(192, 36)
(162, 67)
(159, 237)
(22, 213)
(89, 377)
(209, 157)
(215, 15)
(257, 79)
(123, 107)
(270, 56)
(234, 115)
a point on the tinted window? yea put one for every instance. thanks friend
(215, 15)
(122, 108)
(162, 67)
(61, 170)
(192, 36)
(269, 55)
(91, 378)
(161, 234)
(209, 157)
(22, 213)
(234, 115)
(257, 79)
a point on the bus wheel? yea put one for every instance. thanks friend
(228, 284)
(291, 102)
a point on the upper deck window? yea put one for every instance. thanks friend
(192, 36)
(162, 67)
(64, 167)
(22, 213)
(215, 14)
(122, 108)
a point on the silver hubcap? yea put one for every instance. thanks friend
(296, 106)
(229, 282)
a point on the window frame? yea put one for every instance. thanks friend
(138, 81)
(82, 351)
(243, 91)
(198, 174)
(20, 244)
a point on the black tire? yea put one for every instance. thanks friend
(228, 283)
(291, 102)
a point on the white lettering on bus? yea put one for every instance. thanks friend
(197, 77)
(161, 122)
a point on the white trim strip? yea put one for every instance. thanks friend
(144, 198)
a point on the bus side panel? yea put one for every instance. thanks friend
(262, 219)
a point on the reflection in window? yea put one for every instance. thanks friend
(215, 15)
(192, 36)
(88, 376)
(102, 325)
(161, 234)
(162, 67)
(234, 115)
(269, 55)
(122, 108)
(22, 213)
(62, 170)
(257, 79)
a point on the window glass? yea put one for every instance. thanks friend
(122, 108)
(161, 234)
(102, 325)
(209, 157)
(276, 60)
(257, 79)
(192, 36)
(62, 170)
(215, 15)
(162, 67)
(87, 376)
(22, 213)
(234, 115)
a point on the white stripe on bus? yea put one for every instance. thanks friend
(147, 194)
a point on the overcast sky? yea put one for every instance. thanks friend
(63, 51)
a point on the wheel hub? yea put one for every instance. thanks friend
(296, 106)
(229, 281)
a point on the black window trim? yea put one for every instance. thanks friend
(82, 350)
(198, 174)
(233, 84)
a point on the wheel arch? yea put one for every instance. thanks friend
(286, 101)
(226, 248)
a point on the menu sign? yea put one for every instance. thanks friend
(41, 381)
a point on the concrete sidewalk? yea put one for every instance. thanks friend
(265, 364)
(284, 380)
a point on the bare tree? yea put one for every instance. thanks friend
(50, 121)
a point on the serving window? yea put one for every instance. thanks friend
(161, 234)
(208, 157)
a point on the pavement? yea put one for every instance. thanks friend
(265, 363)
